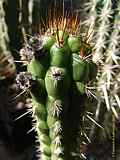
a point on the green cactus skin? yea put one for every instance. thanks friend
(42, 128)
(80, 69)
(48, 41)
(38, 67)
(57, 82)
(45, 149)
(38, 91)
(74, 44)
(55, 108)
(51, 121)
(45, 139)
(78, 88)
(40, 109)
(59, 55)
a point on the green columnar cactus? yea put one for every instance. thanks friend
(38, 67)
(7, 67)
(58, 72)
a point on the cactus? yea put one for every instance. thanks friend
(61, 64)
(58, 71)
(105, 34)
(105, 49)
